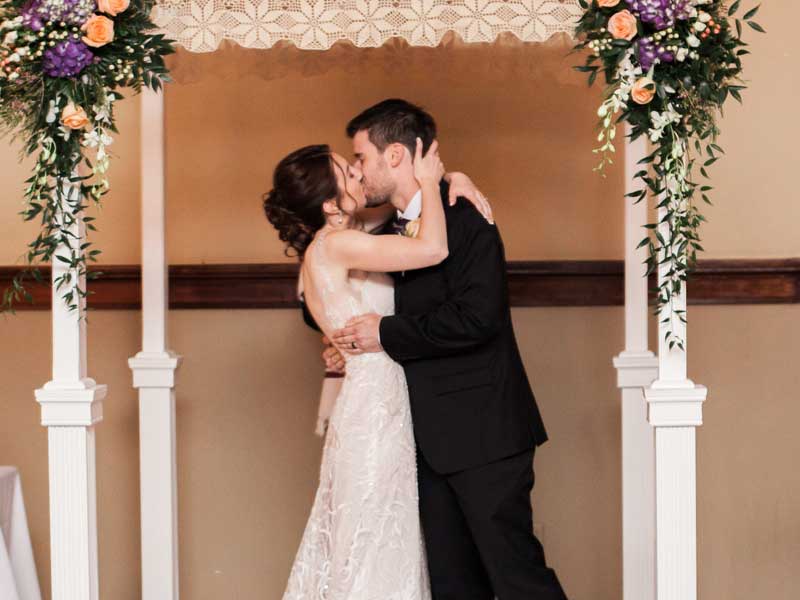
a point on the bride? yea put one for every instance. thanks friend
(363, 539)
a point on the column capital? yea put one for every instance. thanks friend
(675, 404)
(154, 369)
(636, 369)
(71, 403)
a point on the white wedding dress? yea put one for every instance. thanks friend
(363, 539)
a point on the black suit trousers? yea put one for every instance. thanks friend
(478, 528)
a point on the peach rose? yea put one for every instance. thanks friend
(622, 25)
(74, 117)
(643, 91)
(99, 31)
(604, 3)
(113, 7)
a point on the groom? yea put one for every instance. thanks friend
(475, 418)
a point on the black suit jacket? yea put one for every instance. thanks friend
(471, 400)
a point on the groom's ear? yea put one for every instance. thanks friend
(395, 153)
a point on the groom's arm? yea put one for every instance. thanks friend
(478, 293)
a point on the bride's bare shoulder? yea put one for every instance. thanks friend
(338, 240)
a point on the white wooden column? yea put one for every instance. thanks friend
(637, 367)
(71, 405)
(675, 410)
(154, 374)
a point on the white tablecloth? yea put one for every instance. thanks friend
(18, 579)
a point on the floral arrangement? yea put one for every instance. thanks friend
(61, 64)
(670, 66)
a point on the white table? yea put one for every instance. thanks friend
(18, 579)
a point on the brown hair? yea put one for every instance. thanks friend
(302, 182)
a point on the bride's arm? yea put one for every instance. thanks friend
(461, 186)
(387, 253)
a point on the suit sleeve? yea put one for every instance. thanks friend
(477, 299)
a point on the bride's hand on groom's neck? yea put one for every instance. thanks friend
(461, 186)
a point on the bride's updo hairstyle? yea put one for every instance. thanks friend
(302, 182)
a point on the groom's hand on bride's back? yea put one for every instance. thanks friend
(360, 335)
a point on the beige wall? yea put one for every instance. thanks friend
(522, 124)
(248, 462)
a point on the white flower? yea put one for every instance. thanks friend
(10, 38)
(699, 26)
(96, 138)
(64, 132)
(693, 41)
(682, 54)
(662, 120)
(52, 112)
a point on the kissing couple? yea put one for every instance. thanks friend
(427, 467)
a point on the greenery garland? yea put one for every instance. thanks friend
(61, 64)
(670, 66)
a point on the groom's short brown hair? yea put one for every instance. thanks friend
(395, 121)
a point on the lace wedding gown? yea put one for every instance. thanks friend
(363, 539)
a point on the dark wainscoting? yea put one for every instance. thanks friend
(532, 283)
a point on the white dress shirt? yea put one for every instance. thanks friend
(414, 208)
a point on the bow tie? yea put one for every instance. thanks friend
(399, 225)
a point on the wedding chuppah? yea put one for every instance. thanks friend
(670, 66)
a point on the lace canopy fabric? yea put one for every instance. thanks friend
(201, 25)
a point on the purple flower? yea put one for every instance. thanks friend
(67, 58)
(72, 12)
(661, 14)
(649, 51)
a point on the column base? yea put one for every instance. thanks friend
(635, 371)
(154, 376)
(70, 409)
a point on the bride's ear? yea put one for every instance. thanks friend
(330, 208)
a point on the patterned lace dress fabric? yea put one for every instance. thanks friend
(363, 539)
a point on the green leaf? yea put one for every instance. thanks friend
(734, 7)
(751, 13)
(756, 26)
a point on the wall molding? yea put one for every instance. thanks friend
(531, 283)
